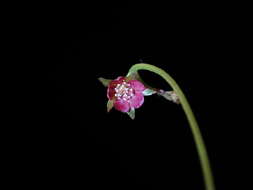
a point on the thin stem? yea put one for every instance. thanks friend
(204, 161)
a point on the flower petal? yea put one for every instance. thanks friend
(137, 85)
(110, 93)
(120, 79)
(137, 100)
(122, 106)
(112, 85)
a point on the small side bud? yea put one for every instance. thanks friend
(169, 95)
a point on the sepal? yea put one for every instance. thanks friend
(109, 105)
(131, 113)
(104, 81)
(148, 92)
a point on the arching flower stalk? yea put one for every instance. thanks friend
(126, 94)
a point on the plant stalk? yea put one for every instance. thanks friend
(201, 149)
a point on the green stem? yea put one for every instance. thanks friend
(204, 161)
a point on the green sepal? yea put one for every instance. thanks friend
(134, 76)
(148, 92)
(109, 105)
(104, 81)
(131, 113)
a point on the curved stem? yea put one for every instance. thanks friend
(204, 161)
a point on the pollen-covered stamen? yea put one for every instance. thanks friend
(124, 91)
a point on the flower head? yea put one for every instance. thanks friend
(125, 94)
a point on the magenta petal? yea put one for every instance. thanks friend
(110, 92)
(137, 100)
(120, 79)
(137, 85)
(122, 106)
(112, 85)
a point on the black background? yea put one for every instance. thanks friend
(74, 143)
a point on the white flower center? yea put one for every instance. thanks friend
(124, 91)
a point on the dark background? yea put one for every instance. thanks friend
(74, 142)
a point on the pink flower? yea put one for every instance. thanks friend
(125, 94)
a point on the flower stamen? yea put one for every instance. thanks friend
(124, 91)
